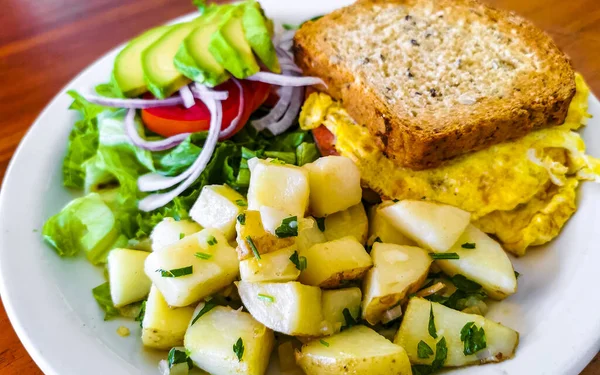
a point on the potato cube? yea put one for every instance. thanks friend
(334, 185)
(218, 207)
(169, 231)
(272, 218)
(351, 222)
(334, 302)
(380, 227)
(358, 351)
(309, 234)
(283, 187)
(211, 339)
(128, 282)
(398, 271)
(484, 261)
(263, 241)
(164, 327)
(431, 225)
(274, 266)
(290, 308)
(193, 268)
(501, 341)
(330, 263)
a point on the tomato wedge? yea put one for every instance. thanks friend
(325, 141)
(169, 121)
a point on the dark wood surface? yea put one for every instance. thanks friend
(45, 43)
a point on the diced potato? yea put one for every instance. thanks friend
(398, 271)
(334, 185)
(169, 231)
(283, 187)
(334, 302)
(128, 282)
(431, 225)
(309, 234)
(380, 227)
(486, 264)
(330, 263)
(501, 341)
(264, 241)
(163, 327)
(287, 358)
(290, 308)
(272, 218)
(210, 341)
(214, 266)
(358, 351)
(351, 222)
(274, 266)
(218, 207)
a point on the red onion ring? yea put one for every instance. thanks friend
(137, 140)
(285, 80)
(291, 113)
(187, 97)
(285, 96)
(234, 123)
(133, 103)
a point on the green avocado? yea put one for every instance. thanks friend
(128, 75)
(160, 73)
(193, 58)
(230, 48)
(258, 31)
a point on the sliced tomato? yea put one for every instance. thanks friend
(169, 121)
(325, 141)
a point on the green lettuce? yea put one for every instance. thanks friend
(102, 295)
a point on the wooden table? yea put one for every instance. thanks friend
(44, 44)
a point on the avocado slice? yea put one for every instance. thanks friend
(258, 31)
(128, 75)
(193, 58)
(160, 73)
(229, 46)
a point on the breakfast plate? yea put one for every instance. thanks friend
(49, 303)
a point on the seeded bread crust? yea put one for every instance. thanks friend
(387, 61)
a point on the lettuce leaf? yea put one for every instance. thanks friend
(102, 295)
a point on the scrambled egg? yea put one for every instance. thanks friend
(522, 191)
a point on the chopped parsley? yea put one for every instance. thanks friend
(441, 353)
(253, 247)
(431, 327)
(299, 261)
(324, 343)
(424, 350)
(266, 298)
(238, 349)
(206, 308)
(350, 321)
(176, 272)
(211, 240)
(203, 256)
(241, 203)
(140, 317)
(241, 218)
(288, 227)
(441, 256)
(465, 284)
(320, 223)
(468, 245)
(177, 356)
(473, 338)
(517, 274)
(181, 235)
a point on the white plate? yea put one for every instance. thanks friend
(49, 300)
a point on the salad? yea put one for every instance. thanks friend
(227, 235)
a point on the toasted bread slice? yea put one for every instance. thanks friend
(433, 79)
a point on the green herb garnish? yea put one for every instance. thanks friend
(206, 308)
(203, 256)
(238, 349)
(181, 235)
(431, 327)
(424, 350)
(253, 247)
(468, 245)
(441, 353)
(241, 218)
(288, 227)
(441, 256)
(176, 272)
(320, 223)
(266, 298)
(465, 284)
(324, 343)
(140, 317)
(211, 240)
(241, 203)
(299, 261)
(473, 338)
(517, 274)
(350, 321)
(177, 356)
